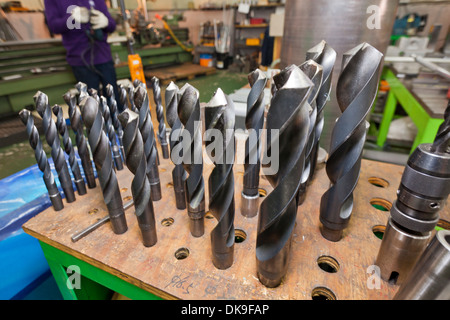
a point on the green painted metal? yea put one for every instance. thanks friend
(427, 126)
(95, 284)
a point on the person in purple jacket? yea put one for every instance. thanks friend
(84, 26)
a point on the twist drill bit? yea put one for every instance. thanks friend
(83, 151)
(325, 56)
(289, 116)
(356, 90)
(423, 191)
(130, 90)
(254, 122)
(220, 123)
(146, 127)
(314, 72)
(140, 186)
(101, 153)
(189, 114)
(114, 112)
(41, 159)
(51, 135)
(123, 98)
(178, 173)
(82, 91)
(162, 137)
(67, 143)
(111, 133)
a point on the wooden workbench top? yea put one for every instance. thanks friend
(157, 269)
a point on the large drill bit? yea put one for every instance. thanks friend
(189, 114)
(146, 127)
(114, 112)
(254, 122)
(162, 137)
(356, 90)
(41, 159)
(130, 90)
(51, 135)
(314, 71)
(287, 127)
(422, 194)
(67, 143)
(82, 91)
(83, 151)
(220, 123)
(140, 186)
(324, 55)
(178, 173)
(111, 133)
(102, 156)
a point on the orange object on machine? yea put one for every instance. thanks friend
(136, 67)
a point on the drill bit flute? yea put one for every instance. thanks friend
(51, 135)
(162, 137)
(189, 114)
(77, 127)
(219, 121)
(254, 122)
(140, 187)
(178, 173)
(114, 112)
(109, 130)
(146, 127)
(41, 159)
(289, 115)
(356, 90)
(67, 142)
(102, 156)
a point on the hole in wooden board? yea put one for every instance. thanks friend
(379, 182)
(239, 235)
(169, 185)
(262, 192)
(209, 215)
(124, 190)
(127, 198)
(328, 264)
(393, 277)
(378, 231)
(92, 211)
(381, 204)
(182, 253)
(322, 293)
(167, 222)
(162, 170)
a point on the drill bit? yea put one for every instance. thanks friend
(67, 143)
(114, 112)
(314, 71)
(41, 159)
(325, 56)
(83, 151)
(51, 135)
(146, 127)
(287, 127)
(178, 173)
(254, 122)
(130, 90)
(162, 137)
(140, 186)
(423, 191)
(189, 114)
(101, 153)
(356, 90)
(111, 133)
(220, 124)
(82, 91)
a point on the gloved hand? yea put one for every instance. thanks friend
(80, 14)
(98, 20)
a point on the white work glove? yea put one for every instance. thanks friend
(98, 19)
(80, 14)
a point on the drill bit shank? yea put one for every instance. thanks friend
(356, 90)
(220, 122)
(140, 186)
(51, 135)
(289, 115)
(67, 142)
(254, 122)
(102, 156)
(41, 159)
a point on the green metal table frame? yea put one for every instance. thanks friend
(94, 283)
(427, 126)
